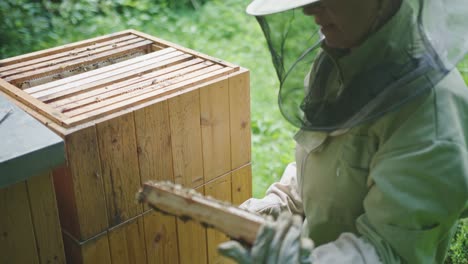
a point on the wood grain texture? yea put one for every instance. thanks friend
(163, 43)
(121, 176)
(31, 102)
(184, 114)
(93, 251)
(96, 251)
(239, 103)
(67, 47)
(73, 252)
(46, 219)
(76, 79)
(215, 127)
(171, 68)
(79, 187)
(62, 53)
(94, 58)
(190, 127)
(121, 71)
(153, 137)
(66, 202)
(55, 127)
(241, 184)
(136, 97)
(92, 96)
(17, 240)
(161, 238)
(220, 189)
(192, 241)
(127, 243)
(69, 57)
(187, 204)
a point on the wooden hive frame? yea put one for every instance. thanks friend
(131, 108)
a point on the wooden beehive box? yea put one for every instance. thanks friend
(29, 223)
(132, 108)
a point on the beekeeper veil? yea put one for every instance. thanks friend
(435, 39)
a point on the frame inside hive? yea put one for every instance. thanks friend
(86, 80)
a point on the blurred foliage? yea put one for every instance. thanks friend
(458, 251)
(38, 24)
(219, 28)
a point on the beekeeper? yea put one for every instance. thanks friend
(381, 171)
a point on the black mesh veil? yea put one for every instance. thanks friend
(287, 44)
(425, 53)
(294, 41)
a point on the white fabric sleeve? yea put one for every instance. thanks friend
(348, 248)
(280, 196)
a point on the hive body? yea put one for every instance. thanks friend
(132, 108)
(29, 225)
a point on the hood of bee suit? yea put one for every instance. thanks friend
(268, 7)
(324, 89)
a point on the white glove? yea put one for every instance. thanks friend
(280, 196)
(277, 241)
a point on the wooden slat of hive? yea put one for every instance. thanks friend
(162, 42)
(108, 78)
(63, 48)
(241, 184)
(75, 101)
(80, 186)
(214, 121)
(108, 82)
(69, 65)
(139, 96)
(186, 141)
(96, 72)
(32, 103)
(161, 238)
(120, 172)
(73, 59)
(60, 56)
(154, 143)
(118, 89)
(239, 108)
(45, 218)
(129, 93)
(154, 150)
(29, 225)
(16, 226)
(127, 243)
(192, 240)
(94, 251)
(219, 188)
(155, 162)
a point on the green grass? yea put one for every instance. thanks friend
(218, 28)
